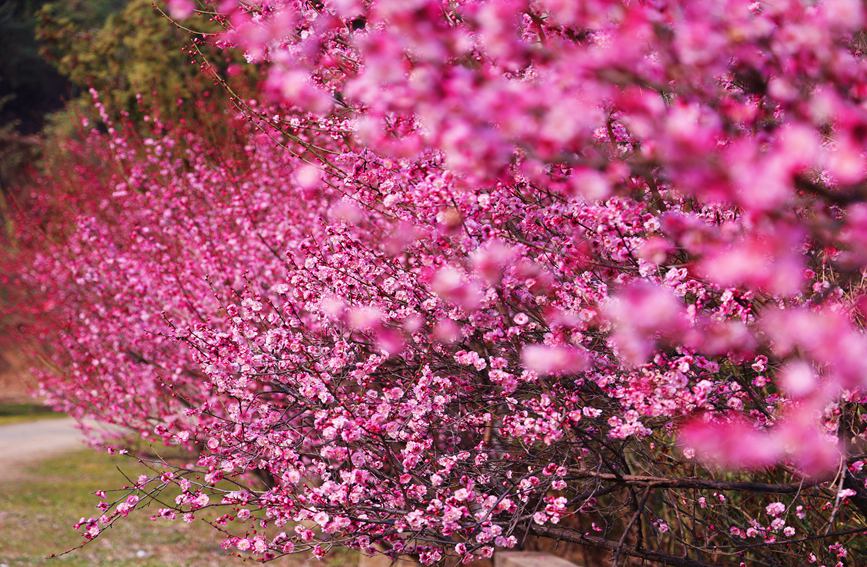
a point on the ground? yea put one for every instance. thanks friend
(18, 412)
(47, 483)
(39, 505)
(23, 443)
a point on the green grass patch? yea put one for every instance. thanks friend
(36, 518)
(18, 413)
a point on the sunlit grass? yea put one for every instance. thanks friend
(23, 412)
(36, 518)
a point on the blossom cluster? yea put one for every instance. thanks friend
(472, 270)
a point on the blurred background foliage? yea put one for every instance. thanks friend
(141, 63)
(124, 49)
(30, 87)
(147, 72)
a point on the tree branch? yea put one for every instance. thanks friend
(575, 537)
(661, 482)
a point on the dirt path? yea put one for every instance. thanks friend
(24, 443)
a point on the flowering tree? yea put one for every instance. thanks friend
(472, 271)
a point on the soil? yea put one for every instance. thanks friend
(24, 443)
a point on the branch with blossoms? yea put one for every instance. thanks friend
(470, 274)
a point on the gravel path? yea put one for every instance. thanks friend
(24, 443)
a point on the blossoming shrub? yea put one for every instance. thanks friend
(473, 271)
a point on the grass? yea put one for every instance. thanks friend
(23, 412)
(36, 518)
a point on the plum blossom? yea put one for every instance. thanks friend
(467, 272)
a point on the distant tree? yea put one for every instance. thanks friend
(30, 85)
(126, 50)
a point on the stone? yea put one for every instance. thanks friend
(529, 559)
(383, 561)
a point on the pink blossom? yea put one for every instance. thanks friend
(462, 271)
(554, 360)
(181, 9)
